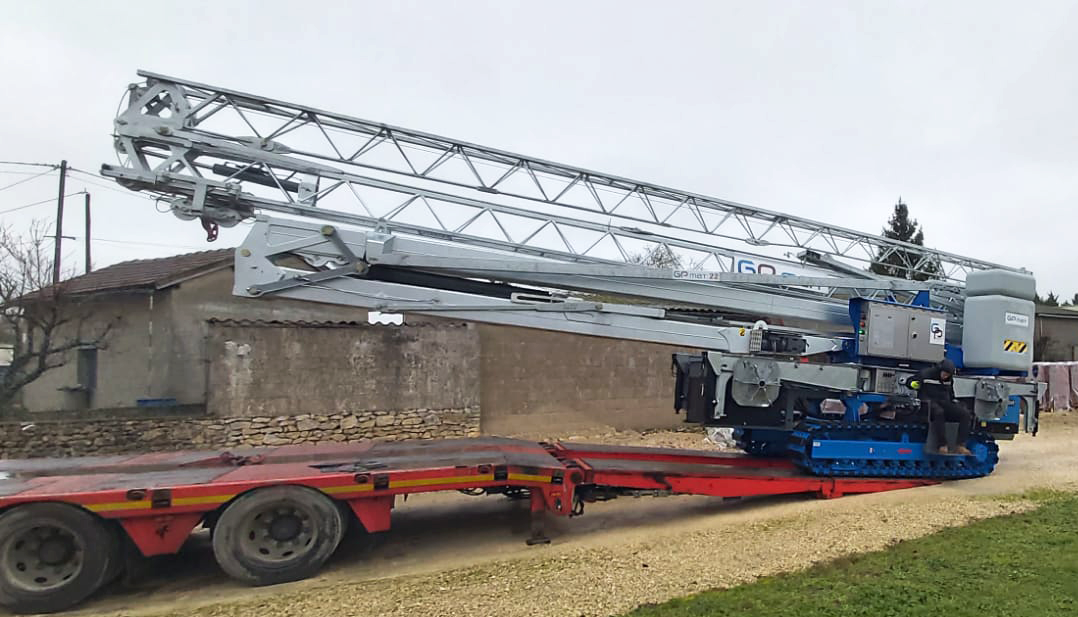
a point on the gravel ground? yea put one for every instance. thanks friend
(578, 581)
(451, 555)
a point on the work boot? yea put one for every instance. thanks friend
(963, 450)
(943, 450)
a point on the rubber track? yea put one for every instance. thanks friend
(985, 449)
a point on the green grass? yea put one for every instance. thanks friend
(1017, 565)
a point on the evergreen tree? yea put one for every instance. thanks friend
(896, 263)
(1051, 299)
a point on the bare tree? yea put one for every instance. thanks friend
(658, 256)
(46, 322)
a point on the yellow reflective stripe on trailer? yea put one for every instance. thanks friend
(144, 504)
(347, 488)
(523, 477)
(443, 480)
(200, 501)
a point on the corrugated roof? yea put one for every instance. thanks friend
(147, 273)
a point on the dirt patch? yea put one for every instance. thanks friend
(692, 436)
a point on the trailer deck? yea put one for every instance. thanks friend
(156, 500)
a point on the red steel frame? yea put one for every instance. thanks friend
(159, 499)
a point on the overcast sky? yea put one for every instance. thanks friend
(828, 110)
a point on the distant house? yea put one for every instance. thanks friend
(155, 352)
(1056, 334)
(7, 345)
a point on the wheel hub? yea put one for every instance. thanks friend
(278, 532)
(285, 527)
(41, 557)
(55, 551)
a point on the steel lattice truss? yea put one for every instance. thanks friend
(222, 155)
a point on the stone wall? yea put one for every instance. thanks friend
(31, 439)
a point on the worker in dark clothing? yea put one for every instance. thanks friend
(935, 388)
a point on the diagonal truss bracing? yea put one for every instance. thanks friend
(223, 155)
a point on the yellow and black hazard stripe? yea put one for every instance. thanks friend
(1015, 346)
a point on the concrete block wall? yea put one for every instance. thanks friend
(524, 381)
(538, 382)
(269, 370)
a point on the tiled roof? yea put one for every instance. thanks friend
(147, 273)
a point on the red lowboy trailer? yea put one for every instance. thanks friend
(276, 514)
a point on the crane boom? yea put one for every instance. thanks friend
(188, 128)
(188, 142)
(303, 143)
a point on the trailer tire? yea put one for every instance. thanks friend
(277, 534)
(52, 556)
(117, 556)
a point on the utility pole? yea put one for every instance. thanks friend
(87, 195)
(59, 224)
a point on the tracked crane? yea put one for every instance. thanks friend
(804, 356)
(803, 351)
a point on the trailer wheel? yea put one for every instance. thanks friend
(117, 555)
(52, 556)
(277, 534)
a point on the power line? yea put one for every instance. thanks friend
(112, 188)
(84, 172)
(17, 183)
(95, 182)
(136, 243)
(96, 178)
(38, 203)
(108, 187)
(112, 241)
(52, 165)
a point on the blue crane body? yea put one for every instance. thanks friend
(880, 427)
